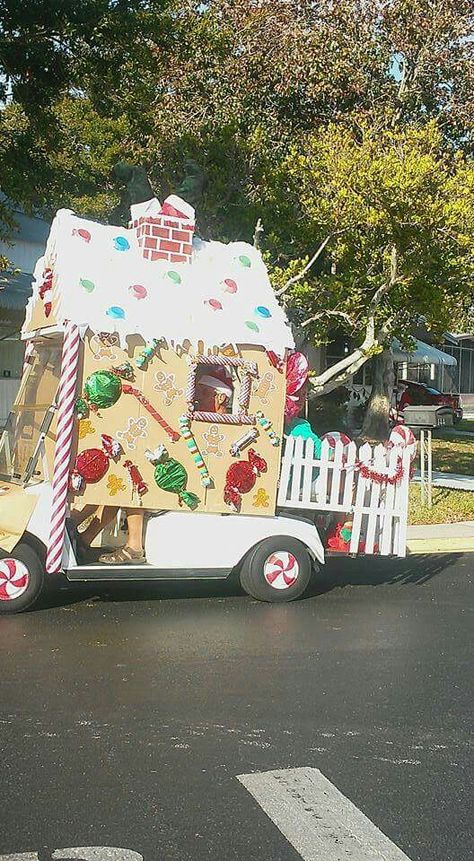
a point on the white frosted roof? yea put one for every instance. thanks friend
(91, 277)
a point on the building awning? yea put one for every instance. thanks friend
(422, 354)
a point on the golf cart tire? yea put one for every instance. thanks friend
(23, 572)
(276, 570)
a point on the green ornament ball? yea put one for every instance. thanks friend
(103, 389)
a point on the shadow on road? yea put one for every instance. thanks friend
(337, 573)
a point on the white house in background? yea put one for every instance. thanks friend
(28, 242)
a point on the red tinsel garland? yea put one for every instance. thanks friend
(380, 477)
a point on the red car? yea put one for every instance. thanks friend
(410, 393)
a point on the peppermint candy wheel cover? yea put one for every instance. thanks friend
(281, 570)
(14, 579)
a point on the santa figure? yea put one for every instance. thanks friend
(214, 391)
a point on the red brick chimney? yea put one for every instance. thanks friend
(168, 234)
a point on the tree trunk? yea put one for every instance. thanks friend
(376, 421)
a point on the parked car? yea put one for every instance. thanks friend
(411, 393)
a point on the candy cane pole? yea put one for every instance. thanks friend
(130, 390)
(62, 454)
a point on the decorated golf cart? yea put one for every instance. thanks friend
(159, 373)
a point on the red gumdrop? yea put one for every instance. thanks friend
(230, 285)
(214, 303)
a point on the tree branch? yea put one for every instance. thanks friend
(321, 314)
(258, 233)
(308, 266)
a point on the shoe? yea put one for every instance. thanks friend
(123, 556)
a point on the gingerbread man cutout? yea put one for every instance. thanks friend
(213, 440)
(261, 498)
(102, 346)
(264, 387)
(166, 383)
(136, 430)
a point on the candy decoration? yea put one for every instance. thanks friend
(266, 424)
(144, 357)
(83, 233)
(214, 303)
(102, 389)
(125, 371)
(91, 466)
(296, 376)
(243, 442)
(281, 570)
(45, 291)
(241, 478)
(138, 291)
(87, 285)
(262, 311)
(121, 244)
(251, 325)
(81, 408)
(14, 579)
(245, 261)
(334, 437)
(276, 361)
(403, 435)
(170, 475)
(138, 485)
(175, 277)
(92, 463)
(115, 312)
(185, 428)
(62, 454)
(230, 285)
(130, 390)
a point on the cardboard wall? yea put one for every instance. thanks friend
(163, 382)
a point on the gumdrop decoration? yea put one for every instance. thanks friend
(230, 285)
(262, 311)
(175, 277)
(170, 475)
(214, 303)
(87, 285)
(252, 326)
(83, 233)
(121, 244)
(138, 291)
(115, 312)
(241, 478)
(245, 261)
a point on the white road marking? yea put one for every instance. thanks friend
(318, 820)
(84, 853)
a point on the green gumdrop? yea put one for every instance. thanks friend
(251, 325)
(174, 276)
(87, 285)
(245, 261)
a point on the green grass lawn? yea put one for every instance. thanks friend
(453, 454)
(466, 425)
(449, 506)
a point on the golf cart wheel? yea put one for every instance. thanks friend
(21, 579)
(276, 570)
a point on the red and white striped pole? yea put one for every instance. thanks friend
(62, 454)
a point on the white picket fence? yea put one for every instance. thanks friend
(333, 483)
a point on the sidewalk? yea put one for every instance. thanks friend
(450, 479)
(441, 538)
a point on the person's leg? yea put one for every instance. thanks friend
(132, 552)
(79, 515)
(135, 520)
(105, 514)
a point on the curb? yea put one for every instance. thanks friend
(464, 544)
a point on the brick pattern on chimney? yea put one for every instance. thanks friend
(165, 238)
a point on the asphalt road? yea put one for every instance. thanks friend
(125, 716)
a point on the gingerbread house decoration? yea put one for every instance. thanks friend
(181, 377)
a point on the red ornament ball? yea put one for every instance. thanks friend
(92, 464)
